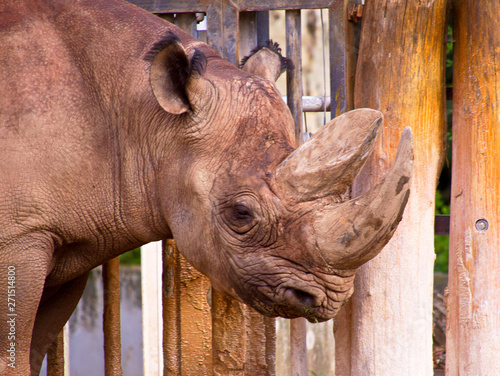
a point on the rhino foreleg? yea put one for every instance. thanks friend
(24, 265)
(56, 306)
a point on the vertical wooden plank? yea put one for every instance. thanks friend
(294, 101)
(400, 71)
(294, 77)
(298, 348)
(337, 21)
(187, 320)
(58, 355)
(254, 31)
(223, 29)
(187, 22)
(244, 341)
(473, 303)
(248, 32)
(111, 318)
(151, 273)
(344, 39)
(262, 19)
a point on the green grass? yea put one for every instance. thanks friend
(131, 257)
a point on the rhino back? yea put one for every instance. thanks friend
(74, 98)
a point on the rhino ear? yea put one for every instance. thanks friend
(266, 62)
(171, 70)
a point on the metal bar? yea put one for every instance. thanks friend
(111, 318)
(223, 29)
(188, 6)
(312, 104)
(294, 77)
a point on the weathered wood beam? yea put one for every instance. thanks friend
(248, 33)
(473, 304)
(343, 55)
(223, 29)
(188, 6)
(294, 76)
(386, 328)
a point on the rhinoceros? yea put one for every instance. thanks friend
(118, 129)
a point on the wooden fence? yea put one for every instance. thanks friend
(183, 335)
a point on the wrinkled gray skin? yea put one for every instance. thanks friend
(106, 144)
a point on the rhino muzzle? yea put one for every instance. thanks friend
(347, 233)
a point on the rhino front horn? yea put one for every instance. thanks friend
(328, 163)
(351, 233)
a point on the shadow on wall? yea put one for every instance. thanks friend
(86, 336)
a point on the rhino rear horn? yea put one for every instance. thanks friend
(328, 163)
(266, 62)
(171, 70)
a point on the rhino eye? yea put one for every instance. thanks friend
(240, 218)
(242, 213)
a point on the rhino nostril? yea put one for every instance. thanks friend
(302, 298)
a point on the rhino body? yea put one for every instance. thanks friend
(118, 129)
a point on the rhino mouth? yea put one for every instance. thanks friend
(294, 297)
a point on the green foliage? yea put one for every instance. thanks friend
(131, 258)
(449, 57)
(441, 242)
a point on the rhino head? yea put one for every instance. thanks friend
(268, 223)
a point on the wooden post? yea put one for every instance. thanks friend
(111, 318)
(58, 355)
(343, 55)
(386, 327)
(244, 341)
(187, 334)
(294, 77)
(473, 327)
(298, 330)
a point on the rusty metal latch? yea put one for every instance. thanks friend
(355, 12)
